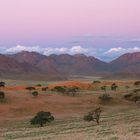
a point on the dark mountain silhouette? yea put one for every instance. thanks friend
(35, 66)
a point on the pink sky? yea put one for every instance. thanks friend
(60, 18)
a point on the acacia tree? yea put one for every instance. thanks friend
(93, 115)
(42, 118)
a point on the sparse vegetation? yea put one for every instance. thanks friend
(68, 110)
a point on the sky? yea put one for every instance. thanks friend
(105, 29)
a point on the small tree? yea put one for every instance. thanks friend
(93, 115)
(42, 118)
(103, 88)
(35, 93)
(30, 89)
(114, 87)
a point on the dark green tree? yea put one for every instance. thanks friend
(42, 118)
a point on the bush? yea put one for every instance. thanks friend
(59, 89)
(93, 115)
(137, 83)
(45, 88)
(35, 93)
(30, 88)
(2, 95)
(95, 82)
(114, 87)
(42, 118)
(38, 85)
(135, 98)
(128, 96)
(88, 117)
(105, 97)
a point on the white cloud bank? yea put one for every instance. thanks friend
(47, 51)
(120, 50)
(105, 55)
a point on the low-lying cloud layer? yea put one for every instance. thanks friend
(105, 55)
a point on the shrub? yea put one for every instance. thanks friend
(114, 87)
(2, 95)
(136, 90)
(35, 93)
(103, 88)
(128, 96)
(45, 88)
(2, 84)
(105, 97)
(135, 98)
(42, 118)
(38, 85)
(93, 115)
(72, 90)
(95, 82)
(30, 88)
(137, 83)
(59, 89)
(88, 117)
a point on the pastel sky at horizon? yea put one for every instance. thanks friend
(104, 28)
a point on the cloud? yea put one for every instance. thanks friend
(120, 50)
(20, 48)
(48, 50)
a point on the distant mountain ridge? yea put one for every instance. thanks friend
(33, 65)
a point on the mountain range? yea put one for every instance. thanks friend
(35, 66)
